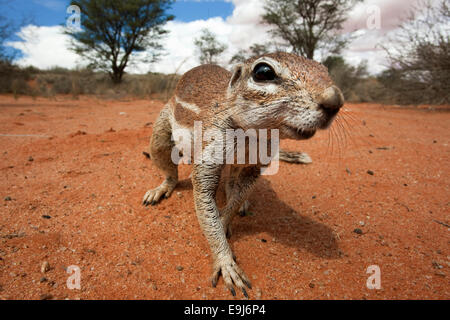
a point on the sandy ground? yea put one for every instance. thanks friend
(73, 177)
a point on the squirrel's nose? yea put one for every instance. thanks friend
(331, 99)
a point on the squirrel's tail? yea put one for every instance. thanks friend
(295, 157)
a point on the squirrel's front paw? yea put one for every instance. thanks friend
(232, 275)
(153, 196)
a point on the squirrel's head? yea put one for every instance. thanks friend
(286, 92)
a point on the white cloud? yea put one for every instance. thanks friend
(180, 53)
(239, 31)
(46, 47)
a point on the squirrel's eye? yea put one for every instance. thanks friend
(263, 72)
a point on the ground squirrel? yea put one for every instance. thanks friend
(274, 91)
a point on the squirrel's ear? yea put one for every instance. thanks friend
(237, 74)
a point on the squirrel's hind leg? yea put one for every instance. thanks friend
(161, 146)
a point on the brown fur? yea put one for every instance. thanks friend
(300, 100)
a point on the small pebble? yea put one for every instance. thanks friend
(8, 199)
(370, 172)
(45, 216)
(263, 240)
(45, 267)
(311, 285)
(258, 294)
(362, 223)
(30, 159)
(358, 231)
(46, 296)
(43, 279)
(180, 268)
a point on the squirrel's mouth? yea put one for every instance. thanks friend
(297, 133)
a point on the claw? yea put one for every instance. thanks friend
(152, 197)
(244, 209)
(232, 275)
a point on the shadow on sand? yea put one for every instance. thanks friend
(275, 218)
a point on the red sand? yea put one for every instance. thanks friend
(90, 180)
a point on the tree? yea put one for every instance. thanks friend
(308, 25)
(8, 27)
(259, 49)
(112, 31)
(239, 56)
(209, 47)
(419, 56)
(345, 76)
(6, 31)
(12, 78)
(255, 50)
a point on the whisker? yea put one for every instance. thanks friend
(341, 140)
(333, 139)
(356, 130)
(328, 145)
(348, 130)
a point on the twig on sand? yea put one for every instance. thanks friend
(442, 223)
(146, 154)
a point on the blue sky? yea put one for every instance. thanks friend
(53, 12)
